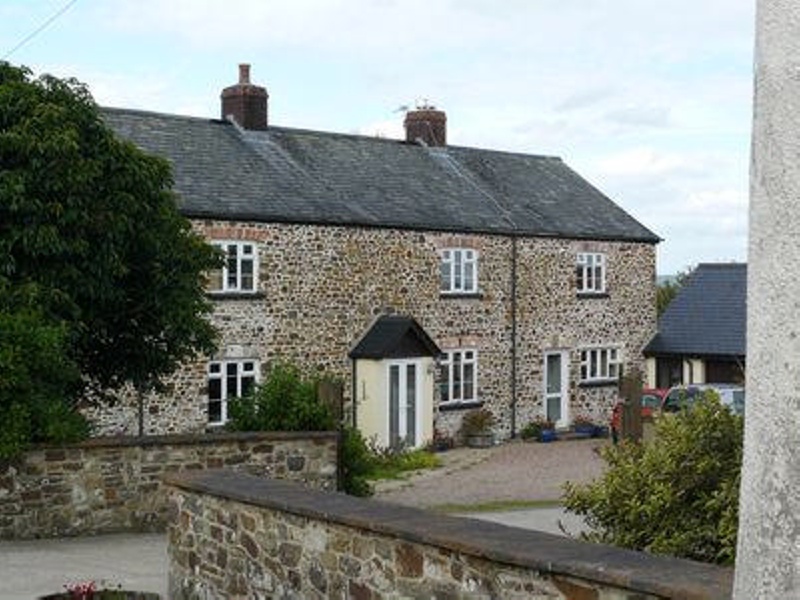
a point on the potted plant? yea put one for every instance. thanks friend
(583, 426)
(548, 430)
(531, 431)
(540, 429)
(476, 427)
(441, 441)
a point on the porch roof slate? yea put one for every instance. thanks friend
(395, 336)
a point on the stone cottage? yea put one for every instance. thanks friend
(515, 285)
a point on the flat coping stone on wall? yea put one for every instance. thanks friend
(543, 552)
(202, 438)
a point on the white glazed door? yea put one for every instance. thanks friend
(556, 387)
(404, 386)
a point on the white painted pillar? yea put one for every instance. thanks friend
(768, 555)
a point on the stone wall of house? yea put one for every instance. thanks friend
(232, 536)
(113, 485)
(320, 288)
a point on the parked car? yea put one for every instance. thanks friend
(683, 396)
(651, 400)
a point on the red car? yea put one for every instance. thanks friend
(651, 402)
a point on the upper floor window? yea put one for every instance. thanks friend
(459, 271)
(459, 376)
(600, 365)
(228, 379)
(239, 272)
(590, 271)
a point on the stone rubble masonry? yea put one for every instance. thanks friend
(115, 484)
(235, 536)
(321, 287)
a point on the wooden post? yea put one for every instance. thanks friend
(631, 392)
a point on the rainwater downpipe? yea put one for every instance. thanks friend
(513, 337)
(354, 391)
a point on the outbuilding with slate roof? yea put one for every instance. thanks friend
(536, 287)
(702, 334)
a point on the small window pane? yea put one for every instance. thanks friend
(248, 383)
(469, 276)
(214, 389)
(445, 276)
(247, 275)
(214, 367)
(215, 411)
(469, 381)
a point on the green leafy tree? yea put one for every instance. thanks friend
(92, 219)
(91, 222)
(284, 401)
(666, 292)
(36, 375)
(677, 495)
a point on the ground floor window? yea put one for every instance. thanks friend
(459, 376)
(228, 379)
(600, 364)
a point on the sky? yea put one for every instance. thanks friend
(650, 101)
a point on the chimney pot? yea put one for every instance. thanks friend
(244, 102)
(244, 74)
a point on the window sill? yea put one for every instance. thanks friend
(599, 384)
(452, 406)
(590, 295)
(236, 295)
(460, 295)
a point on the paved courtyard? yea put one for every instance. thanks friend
(516, 471)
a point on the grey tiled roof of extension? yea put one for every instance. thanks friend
(299, 176)
(708, 316)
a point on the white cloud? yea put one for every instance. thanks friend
(643, 162)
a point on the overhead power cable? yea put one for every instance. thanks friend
(41, 28)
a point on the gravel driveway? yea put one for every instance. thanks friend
(522, 471)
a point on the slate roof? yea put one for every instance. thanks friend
(708, 315)
(395, 336)
(300, 176)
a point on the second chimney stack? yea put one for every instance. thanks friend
(245, 102)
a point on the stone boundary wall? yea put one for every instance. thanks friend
(107, 485)
(236, 536)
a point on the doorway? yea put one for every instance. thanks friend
(556, 386)
(404, 385)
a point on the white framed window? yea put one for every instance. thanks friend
(600, 364)
(590, 272)
(458, 376)
(228, 379)
(239, 273)
(459, 271)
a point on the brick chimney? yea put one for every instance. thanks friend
(245, 102)
(426, 125)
